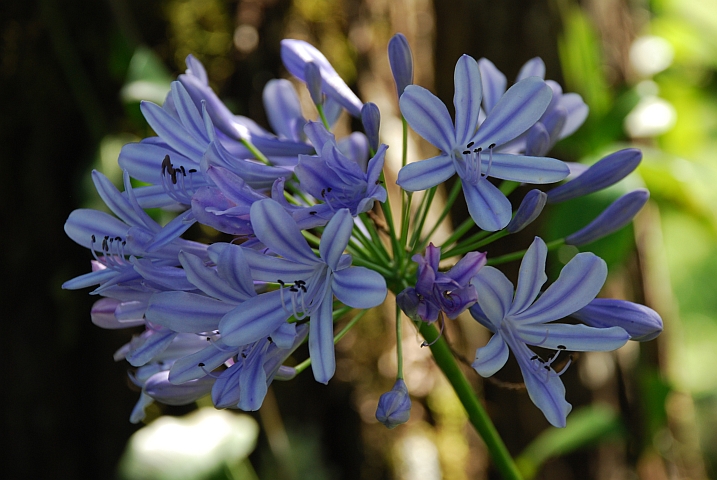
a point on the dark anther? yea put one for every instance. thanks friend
(478, 150)
(104, 244)
(466, 152)
(492, 145)
(546, 367)
(293, 288)
(470, 144)
(184, 172)
(200, 364)
(93, 239)
(323, 192)
(300, 282)
(328, 190)
(312, 213)
(534, 357)
(280, 283)
(377, 182)
(192, 170)
(166, 165)
(118, 239)
(561, 347)
(270, 340)
(243, 355)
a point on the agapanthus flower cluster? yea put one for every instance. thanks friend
(305, 233)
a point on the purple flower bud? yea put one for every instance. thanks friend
(312, 74)
(409, 303)
(613, 218)
(401, 61)
(394, 406)
(640, 322)
(371, 118)
(602, 174)
(529, 209)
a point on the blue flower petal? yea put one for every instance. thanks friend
(211, 357)
(208, 280)
(575, 338)
(252, 382)
(254, 319)
(283, 109)
(521, 106)
(531, 276)
(494, 83)
(535, 67)
(425, 174)
(429, 117)
(521, 168)
(171, 131)
(278, 231)
(579, 282)
(495, 292)
(234, 269)
(336, 237)
(321, 341)
(186, 312)
(467, 98)
(359, 287)
(492, 357)
(487, 205)
(271, 269)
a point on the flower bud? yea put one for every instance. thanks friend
(612, 219)
(602, 174)
(640, 322)
(529, 209)
(312, 74)
(401, 61)
(394, 406)
(371, 118)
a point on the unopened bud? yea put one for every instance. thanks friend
(529, 209)
(401, 61)
(612, 219)
(640, 322)
(602, 174)
(371, 118)
(394, 406)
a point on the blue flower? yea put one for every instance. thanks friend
(472, 154)
(307, 283)
(520, 320)
(435, 292)
(337, 180)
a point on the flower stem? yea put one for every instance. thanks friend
(255, 151)
(518, 255)
(476, 413)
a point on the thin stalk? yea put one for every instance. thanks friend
(399, 343)
(460, 231)
(365, 262)
(388, 214)
(469, 247)
(476, 413)
(322, 116)
(404, 154)
(455, 190)
(375, 239)
(255, 151)
(405, 215)
(518, 255)
(421, 216)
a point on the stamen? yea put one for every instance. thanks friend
(570, 361)
(207, 372)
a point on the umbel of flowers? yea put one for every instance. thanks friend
(299, 210)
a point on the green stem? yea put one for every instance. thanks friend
(455, 190)
(320, 108)
(388, 215)
(421, 216)
(399, 343)
(470, 247)
(518, 255)
(255, 151)
(476, 413)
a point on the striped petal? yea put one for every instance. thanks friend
(428, 116)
